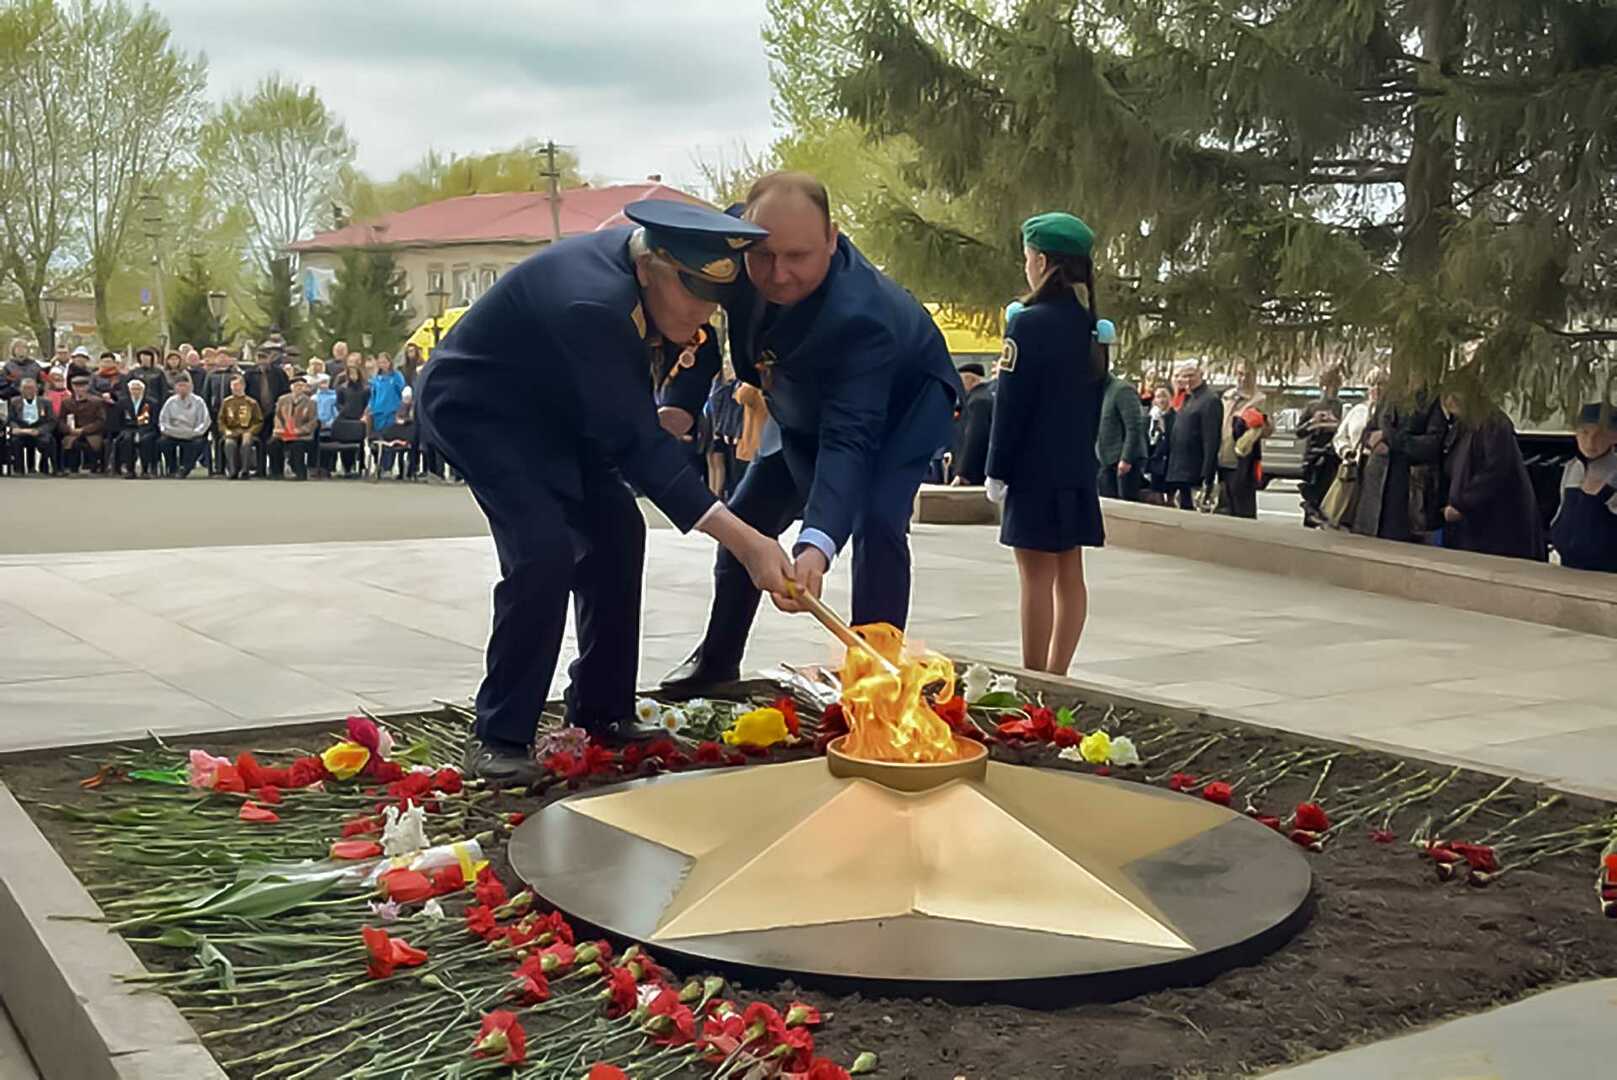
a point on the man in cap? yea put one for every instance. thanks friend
(863, 389)
(541, 396)
(1584, 531)
(81, 424)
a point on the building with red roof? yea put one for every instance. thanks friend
(463, 245)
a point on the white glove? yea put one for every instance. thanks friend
(997, 490)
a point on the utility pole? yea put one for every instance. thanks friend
(555, 194)
(153, 220)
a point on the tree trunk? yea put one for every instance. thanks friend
(1421, 353)
(103, 320)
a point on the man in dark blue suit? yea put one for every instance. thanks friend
(861, 384)
(542, 398)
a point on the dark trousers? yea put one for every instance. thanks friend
(551, 549)
(769, 498)
(1113, 486)
(180, 455)
(1182, 495)
(1238, 490)
(32, 453)
(83, 451)
(138, 445)
(295, 452)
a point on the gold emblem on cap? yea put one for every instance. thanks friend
(738, 242)
(720, 270)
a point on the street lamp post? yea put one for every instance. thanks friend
(438, 299)
(53, 306)
(216, 307)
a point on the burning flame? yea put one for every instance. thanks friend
(890, 719)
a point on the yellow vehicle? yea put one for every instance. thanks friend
(424, 339)
(962, 334)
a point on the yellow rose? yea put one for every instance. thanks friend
(345, 760)
(1096, 747)
(761, 727)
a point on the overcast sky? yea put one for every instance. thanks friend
(633, 86)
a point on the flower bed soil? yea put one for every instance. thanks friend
(1390, 946)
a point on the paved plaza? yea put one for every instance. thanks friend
(196, 606)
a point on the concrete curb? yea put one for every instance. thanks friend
(59, 975)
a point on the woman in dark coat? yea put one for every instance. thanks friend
(1492, 508)
(1041, 457)
(1400, 486)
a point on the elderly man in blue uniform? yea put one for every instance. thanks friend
(861, 384)
(542, 397)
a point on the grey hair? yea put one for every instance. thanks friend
(137, 382)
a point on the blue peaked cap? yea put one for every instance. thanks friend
(703, 243)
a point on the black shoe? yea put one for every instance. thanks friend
(696, 675)
(501, 763)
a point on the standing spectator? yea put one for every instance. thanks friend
(240, 421)
(1321, 419)
(1400, 490)
(19, 366)
(215, 388)
(1240, 446)
(1491, 507)
(81, 423)
(1120, 442)
(412, 362)
(173, 368)
(266, 384)
(77, 364)
(294, 428)
(1158, 433)
(138, 415)
(146, 369)
(1194, 440)
(315, 369)
(56, 391)
(387, 393)
(325, 410)
(1584, 531)
(338, 364)
(31, 427)
(108, 382)
(974, 427)
(184, 423)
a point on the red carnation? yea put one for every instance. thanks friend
(1479, 856)
(252, 774)
(388, 953)
(251, 811)
(1218, 791)
(735, 757)
(761, 1019)
(531, 986)
(1309, 840)
(710, 753)
(952, 712)
(556, 926)
(406, 886)
(480, 921)
(559, 956)
(802, 1015)
(620, 992)
(269, 793)
(1610, 863)
(1181, 781)
(647, 970)
(823, 1069)
(1066, 736)
(448, 781)
(562, 763)
(361, 826)
(384, 771)
(515, 818)
(355, 849)
(228, 778)
(1312, 817)
(603, 1071)
(363, 730)
(306, 771)
(501, 1036)
(672, 1020)
(788, 709)
(834, 719)
(490, 892)
(448, 879)
(1267, 821)
(598, 760)
(1383, 836)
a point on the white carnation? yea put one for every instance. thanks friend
(1123, 752)
(976, 682)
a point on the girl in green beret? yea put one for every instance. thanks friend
(1042, 465)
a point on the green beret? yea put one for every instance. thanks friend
(1058, 234)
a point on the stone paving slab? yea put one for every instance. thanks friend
(1562, 1033)
(15, 1064)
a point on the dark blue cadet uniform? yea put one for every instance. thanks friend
(542, 397)
(1046, 412)
(860, 382)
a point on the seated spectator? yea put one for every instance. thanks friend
(1584, 531)
(1491, 508)
(240, 420)
(292, 437)
(184, 425)
(81, 425)
(387, 391)
(138, 413)
(353, 401)
(31, 429)
(398, 440)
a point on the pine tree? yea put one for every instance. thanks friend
(367, 297)
(1273, 178)
(192, 319)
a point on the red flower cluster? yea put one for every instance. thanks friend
(489, 891)
(416, 786)
(1181, 781)
(1039, 725)
(788, 709)
(412, 886)
(247, 775)
(388, 953)
(1311, 817)
(1217, 792)
(1447, 855)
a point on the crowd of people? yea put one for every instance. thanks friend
(1442, 468)
(264, 412)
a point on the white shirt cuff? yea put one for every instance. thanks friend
(816, 539)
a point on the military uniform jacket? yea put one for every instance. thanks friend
(1048, 398)
(840, 371)
(566, 330)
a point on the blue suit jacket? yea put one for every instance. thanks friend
(561, 340)
(1047, 400)
(845, 365)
